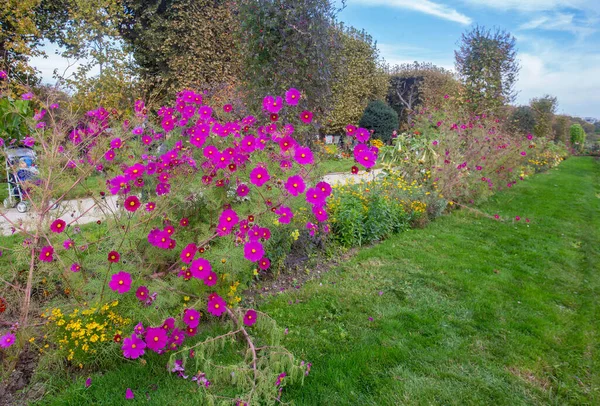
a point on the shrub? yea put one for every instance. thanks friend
(381, 119)
(577, 137)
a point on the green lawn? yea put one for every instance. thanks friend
(465, 311)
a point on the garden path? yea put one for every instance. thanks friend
(87, 210)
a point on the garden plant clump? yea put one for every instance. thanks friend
(202, 190)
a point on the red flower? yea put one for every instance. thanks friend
(132, 203)
(114, 257)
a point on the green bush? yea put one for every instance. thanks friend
(577, 137)
(380, 118)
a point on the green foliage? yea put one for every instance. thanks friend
(544, 109)
(181, 43)
(289, 43)
(14, 118)
(418, 85)
(358, 79)
(380, 118)
(487, 62)
(522, 119)
(577, 136)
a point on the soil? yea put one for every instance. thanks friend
(19, 378)
(293, 277)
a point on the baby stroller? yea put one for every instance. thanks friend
(20, 167)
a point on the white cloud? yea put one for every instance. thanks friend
(537, 5)
(562, 22)
(423, 6)
(398, 54)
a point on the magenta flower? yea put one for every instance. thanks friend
(29, 141)
(68, 244)
(253, 251)
(88, 382)
(264, 263)
(518, 218)
(250, 318)
(315, 197)
(304, 156)
(228, 218)
(142, 293)
(365, 157)
(324, 187)
(3, 74)
(242, 190)
(272, 104)
(132, 203)
(156, 338)
(285, 214)
(47, 254)
(7, 340)
(362, 135)
(191, 318)
(523, 153)
(129, 394)
(114, 257)
(320, 213)
(216, 305)
(259, 176)
(27, 96)
(295, 185)
(150, 206)
(75, 267)
(58, 226)
(120, 282)
(188, 253)
(306, 116)
(200, 268)
(116, 143)
(529, 137)
(211, 279)
(133, 347)
(292, 97)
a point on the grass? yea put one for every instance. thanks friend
(466, 311)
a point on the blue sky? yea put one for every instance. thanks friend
(558, 41)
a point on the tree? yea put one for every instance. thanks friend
(357, 80)
(289, 43)
(544, 109)
(487, 63)
(561, 128)
(522, 119)
(577, 137)
(381, 119)
(181, 43)
(418, 85)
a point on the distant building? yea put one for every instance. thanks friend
(591, 120)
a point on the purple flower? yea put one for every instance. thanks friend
(253, 251)
(7, 340)
(188, 253)
(295, 185)
(191, 317)
(156, 338)
(142, 293)
(120, 282)
(250, 318)
(27, 96)
(133, 347)
(129, 394)
(285, 214)
(304, 156)
(216, 305)
(200, 268)
(88, 382)
(259, 176)
(292, 97)
(47, 254)
(29, 141)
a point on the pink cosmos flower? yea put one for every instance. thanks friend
(29, 141)
(264, 263)
(46, 254)
(523, 153)
(285, 214)
(227, 108)
(200, 268)
(250, 318)
(142, 293)
(295, 185)
(114, 257)
(156, 338)
(75, 267)
(58, 226)
(133, 347)
(188, 253)
(272, 104)
(259, 176)
(229, 218)
(434, 143)
(27, 96)
(116, 143)
(529, 137)
(120, 282)
(191, 318)
(365, 158)
(216, 305)
(253, 251)
(324, 187)
(304, 156)
(3, 74)
(211, 279)
(129, 394)
(7, 340)
(518, 218)
(306, 117)
(88, 382)
(320, 213)
(292, 97)
(362, 135)
(242, 190)
(315, 197)
(132, 203)
(68, 244)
